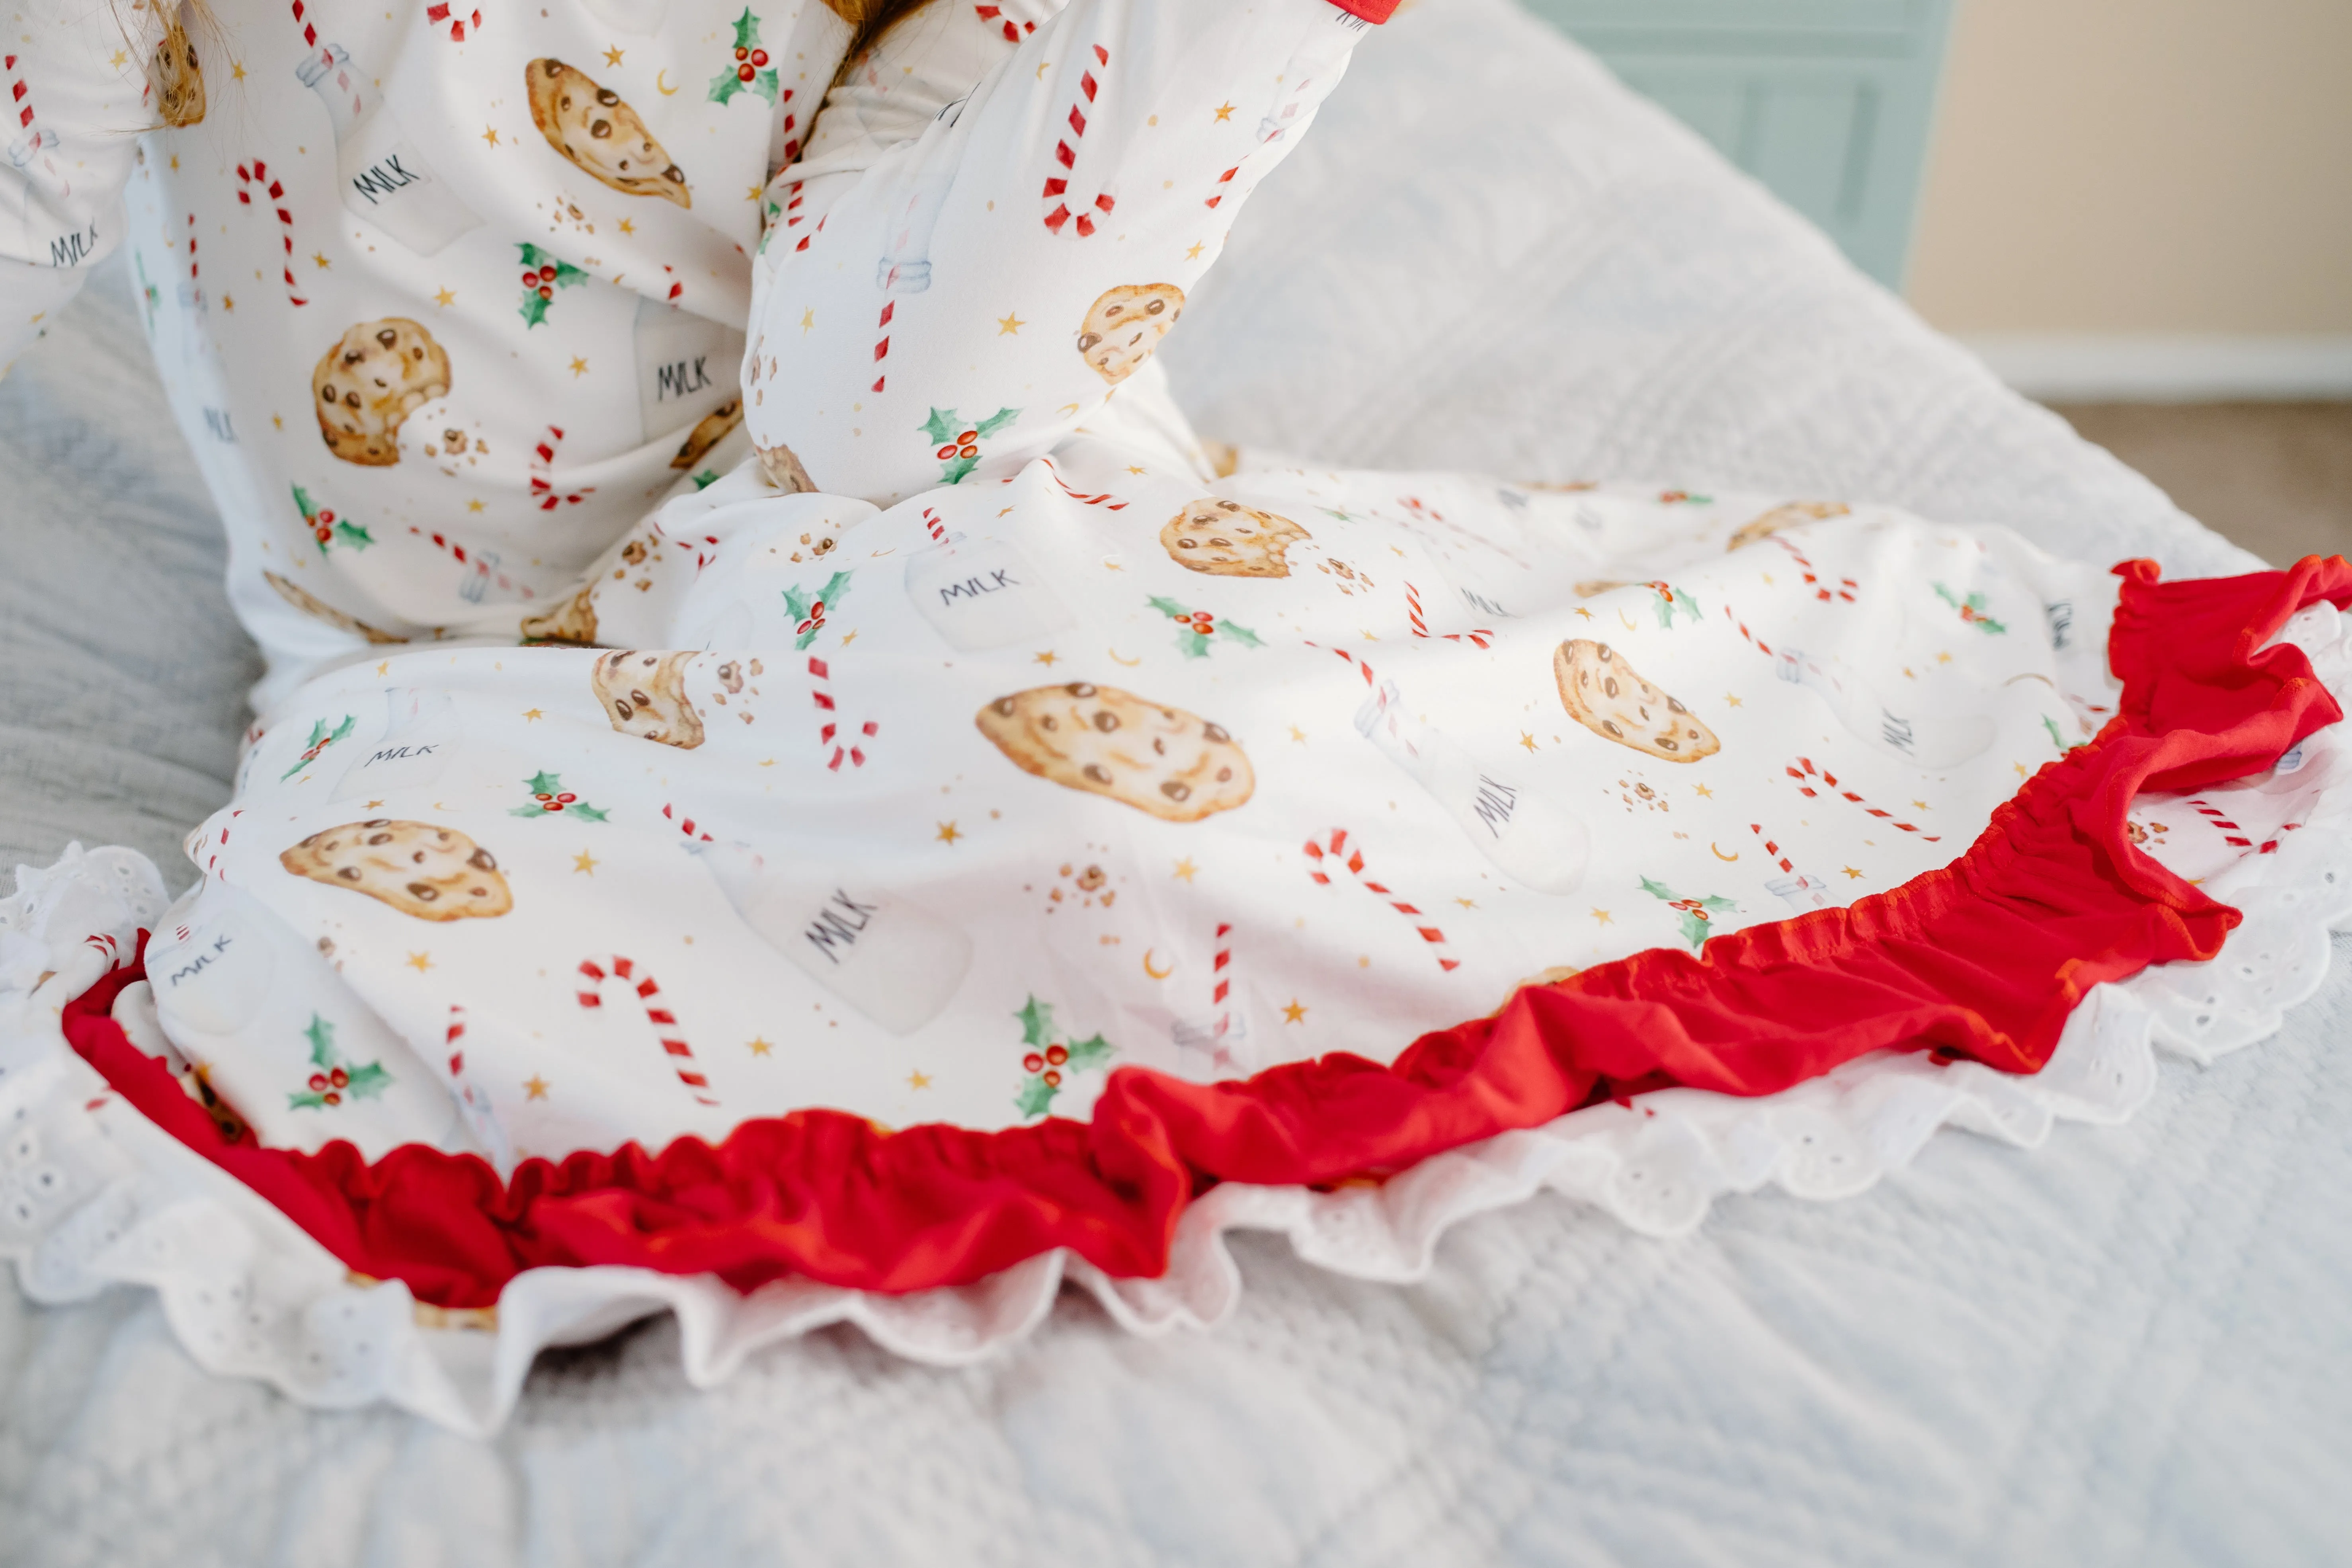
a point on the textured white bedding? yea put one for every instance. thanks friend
(2127, 1346)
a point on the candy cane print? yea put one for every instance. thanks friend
(1844, 588)
(275, 191)
(1759, 644)
(1059, 196)
(482, 568)
(542, 463)
(1421, 627)
(1805, 770)
(309, 32)
(821, 675)
(1215, 1033)
(1101, 500)
(454, 24)
(36, 140)
(1013, 33)
(472, 1103)
(1358, 665)
(664, 1021)
(1318, 853)
(686, 825)
(882, 345)
(1802, 891)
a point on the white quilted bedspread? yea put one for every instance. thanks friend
(2127, 1346)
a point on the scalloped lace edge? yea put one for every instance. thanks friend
(91, 1195)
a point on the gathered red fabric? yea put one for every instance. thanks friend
(1982, 959)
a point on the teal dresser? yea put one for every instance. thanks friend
(1827, 102)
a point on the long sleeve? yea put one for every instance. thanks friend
(82, 80)
(1001, 258)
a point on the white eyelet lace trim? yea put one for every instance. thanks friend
(92, 1194)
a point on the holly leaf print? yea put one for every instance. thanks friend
(1191, 644)
(1695, 929)
(1035, 1095)
(797, 604)
(1089, 1053)
(747, 30)
(952, 472)
(1170, 608)
(544, 783)
(321, 1035)
(1036, 1022)
(705, 480)
(354, 535)
(725, 86)
(368, 1082)
(764, 84)
(583, 809)
(1657, 890)
(534, 309)
(532, 810)
(308, 508)
(941, 424)
(1241, 635)
(997, 421)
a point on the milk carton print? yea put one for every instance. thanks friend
(1527, 837)
(420, 732)
(384, 178)
(687, 366)
(896, 964)
(984, 593)
(1934, 743)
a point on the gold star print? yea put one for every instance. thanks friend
(1294, 1013)
(1184, 870)
(760, 1046)
(119, 58)
(1195, 254)
(534, 1088)
(276, 421)
(1601, 915)
(1943, 658)
(1919, 805)
(1467, 903)
(1298, 734)
(1851, 872)
(1703, 791)
(1585, 613)
(1907, 674)
(1009, 324)
(808, 320)
(629, 225)
(918, 1080)
(579, 367)
(444, 297)
(948, 833)
(752, 195)
(2020, 768)
(848, 636)
(473, 506)
(420, 961)
(1224, 112)
(612, 57)
(176, 160)
(320, 258)
(1046, 657)
(1134, 468)
(374, 804)
(229, 302)
(532, 715)
(237, 70)
(383, 668)
(1731, 700)
(490, 135)
(584, 863)
(1527, 739)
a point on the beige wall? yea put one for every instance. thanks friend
(2141, 166)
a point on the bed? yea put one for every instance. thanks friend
(2127, 1345)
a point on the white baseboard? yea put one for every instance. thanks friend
(2168, 368)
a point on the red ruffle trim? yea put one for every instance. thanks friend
(1983, 959)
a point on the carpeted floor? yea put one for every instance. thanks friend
(2274, 477)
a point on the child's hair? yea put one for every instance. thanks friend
(872, 19)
